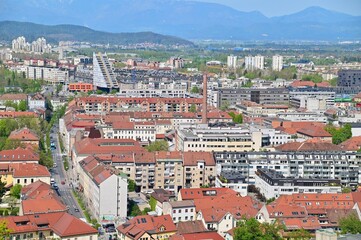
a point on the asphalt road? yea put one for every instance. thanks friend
(59, 175)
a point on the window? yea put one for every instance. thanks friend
(174, 211)
(180, 210)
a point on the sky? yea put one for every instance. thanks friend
(272, 8)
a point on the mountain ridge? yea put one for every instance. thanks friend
(188, 19)
(69, 32)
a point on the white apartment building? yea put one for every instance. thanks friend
(297, 96)
(232, 61)
(104, 189)
(308, 164)
(139, 131)
(176, 93)
(233, 180)
(180, 211)
(303, 116)
(36, 101)
(201, 137)
(51, 75)
(277, 63)
(273, 184)
(254, 62)
(271, 136)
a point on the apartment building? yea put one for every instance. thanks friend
(103, 75)
(201, 137)
(36, 101)
(267, 96)
(16, 98)
(119, 104)
(180, 211)
(19, 155)
(80, 87)
(153, 93)
(349, 78)
(25, 136)
(253, 110)
(233, 180)
(273, 184)
(139, 131)
(169, 171)
(49, 74)
(311, 160)
(105, 190)
(199, 169)
(232, 61)
(303, 116)
(277, 63)
(254, 62)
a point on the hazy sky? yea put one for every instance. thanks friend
(272, 8)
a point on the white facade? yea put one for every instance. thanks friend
(23, 181)
(139, 132)
(34, 103)
(226, 223)
(103, 75)
(108, 199)
(253, 63)
(180, 211)
(274, 191)
(232, 61)
(241, 187)
(277, 63)
(303, 116)
(52, 75)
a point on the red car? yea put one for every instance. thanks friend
(62, 182)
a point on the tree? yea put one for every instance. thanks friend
(300, 234)
(159, 145)
(339, 135)
(312, 77)
(131, 185)
(251, 229)
(15, 191)
(2, 189)
(12, 144)
(193, 108)
(350, 224)
(195, 89)
(236, 118)
(225, 105)
(114, 91)
(152, 203)
(22, 106)
(12, 201)
(4, 230)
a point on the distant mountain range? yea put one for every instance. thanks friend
(186, 19)
(11, 29)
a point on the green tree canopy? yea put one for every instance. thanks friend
(4, 230)
(195, 89)
(350, 224)
(12, 144)
(339, 135)
(15, 191)
(251, 229)
(22, 106)
(2, 189)
(236, 118)
(159, 145)
(300, 234)
(193, 108)
(131, 185)
(312, 77)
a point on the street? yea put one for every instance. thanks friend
(59, 174)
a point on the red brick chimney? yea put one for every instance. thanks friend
(204, 107)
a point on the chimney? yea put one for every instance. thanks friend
(204, 107)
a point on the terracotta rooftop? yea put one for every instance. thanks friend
(29, 170)
(61, 223)
(13, 97)
(96, 171)
(191, 227)
(197, 236)
(308, 146)
(24, 134)
(139, 225)
(19, 155)
(352, 144)
(192, 158)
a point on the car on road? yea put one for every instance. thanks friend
(76, 210)
(63, 182)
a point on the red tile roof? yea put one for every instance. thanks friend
(352, 144)
(13, 97)
(24, 134)
(19, 155)
(308, 146)
(192, 158)
(191, 227)
(198, 236)
(29, 170)
(61, 223)
(96, 171)
(139, 225)
(314, 131)
(91, 146)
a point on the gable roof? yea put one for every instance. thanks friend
(139, 225)
(352, 144)
(19, 155)
(63, 224)
(191, 227)
(316, 145)
(24, 134)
